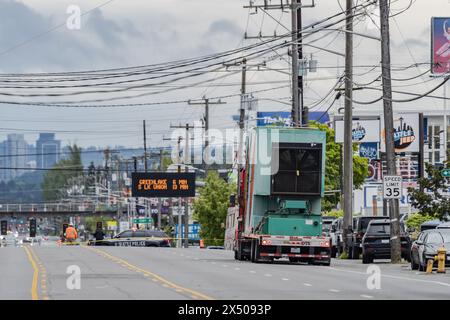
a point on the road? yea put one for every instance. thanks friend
(109, 273)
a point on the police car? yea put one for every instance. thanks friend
(136, 238)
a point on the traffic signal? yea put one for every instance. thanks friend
(33, 228)
(4, 227)
(99, 225)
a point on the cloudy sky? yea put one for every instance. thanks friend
(121, 33)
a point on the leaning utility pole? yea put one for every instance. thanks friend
(206, 102)
(389, 128)
(348, 121)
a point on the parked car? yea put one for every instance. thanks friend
(326, 225)
(432, 224)
(444, 225)
(356, 234)
(426, 245)
(336, 237)
(376, 242)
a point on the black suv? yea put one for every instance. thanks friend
(356, 234)
(376, 242)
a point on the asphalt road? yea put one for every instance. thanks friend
(47, 272)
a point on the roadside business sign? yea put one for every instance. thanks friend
(163, 184)
(406, 133)
(392, 187)
(440, 45)
(362, 131)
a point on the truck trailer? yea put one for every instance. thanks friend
(281, 184)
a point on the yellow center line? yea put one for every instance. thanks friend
(167, 282)
(43, 273)
(34, 283)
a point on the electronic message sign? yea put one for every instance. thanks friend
(163, 184)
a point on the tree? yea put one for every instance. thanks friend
(57, 179)
(430, 198)
(210, 209)
(333, 164)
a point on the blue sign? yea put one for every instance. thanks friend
(194, 231)
(368, 150)
(283, 118)
(279, 118)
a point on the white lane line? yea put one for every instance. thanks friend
(213, 262)
(285, 279)
(224, 265)
(251, 271)
(366, 296)
(268, 275)
(237, 269)
(196, 259)
(334, 290)
(393, 277)
(307, 284)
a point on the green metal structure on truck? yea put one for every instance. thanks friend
(280, 191)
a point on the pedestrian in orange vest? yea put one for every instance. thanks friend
(71, 234)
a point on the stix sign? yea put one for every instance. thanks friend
(163, 184)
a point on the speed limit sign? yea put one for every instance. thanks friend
(392, 187)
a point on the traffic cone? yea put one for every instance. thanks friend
(202, 244)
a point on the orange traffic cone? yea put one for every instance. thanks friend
(202, 244)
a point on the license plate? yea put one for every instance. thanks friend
(385, 241)
(295, 250)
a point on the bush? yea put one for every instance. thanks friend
(333, 213)
(416, 219)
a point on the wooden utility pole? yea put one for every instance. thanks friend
(206, 102)
(348, 120)
(160, 200)
(145, 147)
(394, 210)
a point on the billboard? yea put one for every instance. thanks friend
(406, 133)
(278, 118)
(362, 131)
(440, 45)
(163, 184)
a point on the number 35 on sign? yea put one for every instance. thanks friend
(392, 187)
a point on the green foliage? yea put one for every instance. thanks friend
(333, 213)
(416, 219)
(344, 255)
(429, 198)
(90, 223)
(25, 189)
(333, 164)
(210, 209)
(55, 180)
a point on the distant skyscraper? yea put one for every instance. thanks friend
(47, 150)
(15, 148)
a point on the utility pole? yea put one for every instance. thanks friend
(159, 199)
(206, 102)
(389, 125)
(145, 147)
(295, 72)
(187, 160)
(348, 121)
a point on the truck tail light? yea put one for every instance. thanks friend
(325, 244)
(266, 242)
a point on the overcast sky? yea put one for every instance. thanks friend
(119, 33)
